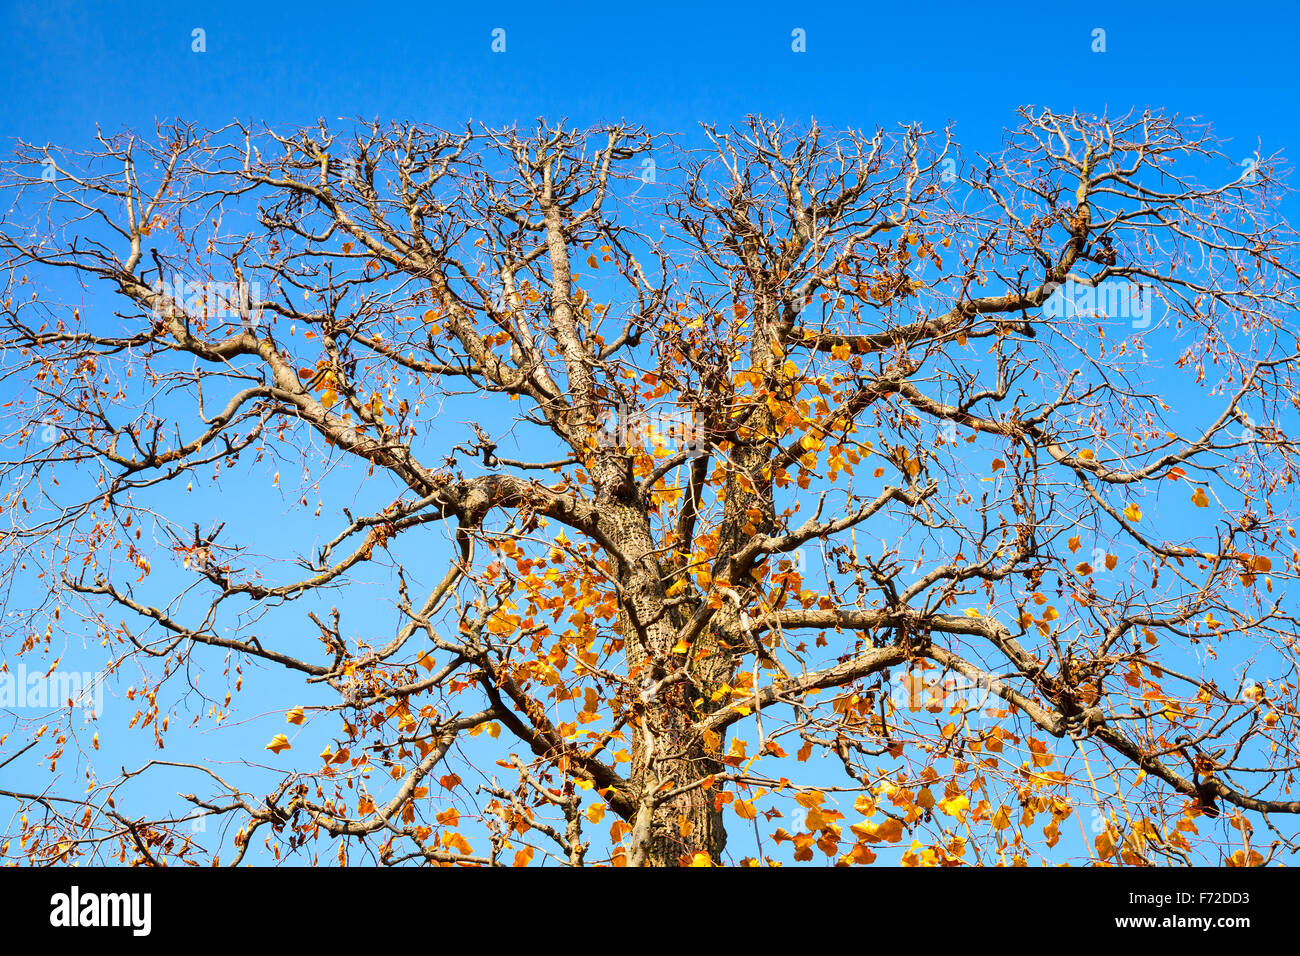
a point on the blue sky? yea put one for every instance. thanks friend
(72, 67)
(69, 66)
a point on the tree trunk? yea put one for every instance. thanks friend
(687, 823)
(666, 753)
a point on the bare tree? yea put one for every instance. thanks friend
(973, 473)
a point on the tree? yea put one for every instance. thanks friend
(631, 497)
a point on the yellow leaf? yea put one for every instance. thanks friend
(1133, 513)
(954, 806)
(1199, 498)
(295, 716)
(278, 743)
(892, 830)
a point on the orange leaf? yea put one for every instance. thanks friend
(1038, 751)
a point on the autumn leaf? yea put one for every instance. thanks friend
(1038, 751)
(956, 806)
(278, 744)
(1243, 858)
(457, 842)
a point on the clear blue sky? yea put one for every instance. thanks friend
(70, 67)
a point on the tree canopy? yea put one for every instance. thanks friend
(583, 489)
